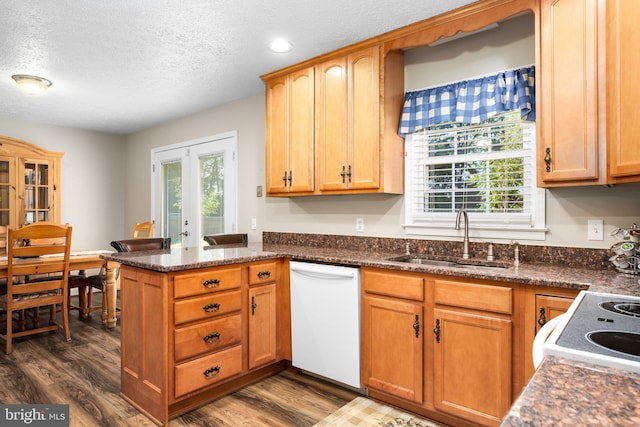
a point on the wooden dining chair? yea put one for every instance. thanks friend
(99, 281)
(143, 230)
(37, 249)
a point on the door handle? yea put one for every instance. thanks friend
(185, 234)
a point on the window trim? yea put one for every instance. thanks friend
(443, 224)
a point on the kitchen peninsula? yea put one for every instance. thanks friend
(168, 369)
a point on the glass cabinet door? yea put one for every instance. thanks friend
(5, 191)
(37, 192)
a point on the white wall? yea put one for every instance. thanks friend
(245, 116)
(92, 181)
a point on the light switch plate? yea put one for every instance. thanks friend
(595, 229)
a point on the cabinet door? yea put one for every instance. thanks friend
(262, 325)
(290, 132)
(548, 307)
(623, 89)
(364, 119)
(277, 134)
(37, 191)
(568, 121)
(472, 365)
(331, 124)
(392, 339)
(301, 136)
(8, 210)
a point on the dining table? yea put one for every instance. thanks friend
(82, 261)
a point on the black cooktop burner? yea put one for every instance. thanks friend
(625, 308)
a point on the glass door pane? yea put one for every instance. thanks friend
(195, 193)
(172, 201)
(212, 194)
(5, 193)
(36, 192)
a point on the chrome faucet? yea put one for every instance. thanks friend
(465, 249)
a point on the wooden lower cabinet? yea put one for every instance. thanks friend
(472, 350)
(438, 346)
(392, 333)
(541, 305)
(394, 346)
(262, 325)
(190, 337)
(472, 365)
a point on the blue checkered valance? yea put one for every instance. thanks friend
(470, 101)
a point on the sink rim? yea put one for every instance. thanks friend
(436, 262)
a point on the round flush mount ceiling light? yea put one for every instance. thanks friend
(31, 85)
(280, 45)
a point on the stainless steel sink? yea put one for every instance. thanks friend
(425, 261)
(416, 259)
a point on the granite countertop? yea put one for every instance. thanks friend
(565, 392)
(562, 391)
(529, 274)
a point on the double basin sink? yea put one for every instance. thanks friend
(434, 262)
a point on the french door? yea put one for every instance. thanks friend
(194, 189)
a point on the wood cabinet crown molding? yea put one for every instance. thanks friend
(466, 18)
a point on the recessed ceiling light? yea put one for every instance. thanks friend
(280, 46)
(31, 85)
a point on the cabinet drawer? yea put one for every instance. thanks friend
(470, 295)
(262, 273)
(206, 306)
(207, 337)
(207, 370)
(399, 285)
(185, 285)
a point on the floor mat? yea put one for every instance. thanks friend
(364, 412)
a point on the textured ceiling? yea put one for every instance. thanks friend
(120, 66)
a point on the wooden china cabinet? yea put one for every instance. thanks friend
(29, 183)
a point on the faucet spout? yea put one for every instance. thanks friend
(465, 248)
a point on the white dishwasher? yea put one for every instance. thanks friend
(325, 320)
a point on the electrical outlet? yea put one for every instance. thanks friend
(259, 191)
(359, 225)
(254, 223)
(594, 229)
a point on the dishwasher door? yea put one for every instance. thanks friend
(325, 321)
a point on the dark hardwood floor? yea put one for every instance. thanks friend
(85, 373)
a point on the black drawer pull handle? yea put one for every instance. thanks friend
(212, 338)
(211, 283)
(211, 308)
(253, 306)
(416, 326)
(436, 330)
(265, 273)
(212, 372)
(543, 318)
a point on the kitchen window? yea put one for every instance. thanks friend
(488, 169)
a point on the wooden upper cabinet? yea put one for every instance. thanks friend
(332, 122)
(568, 116)
(29, 183)
(348, 122)
(587, 125)
(623, 90)
(290, 133)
